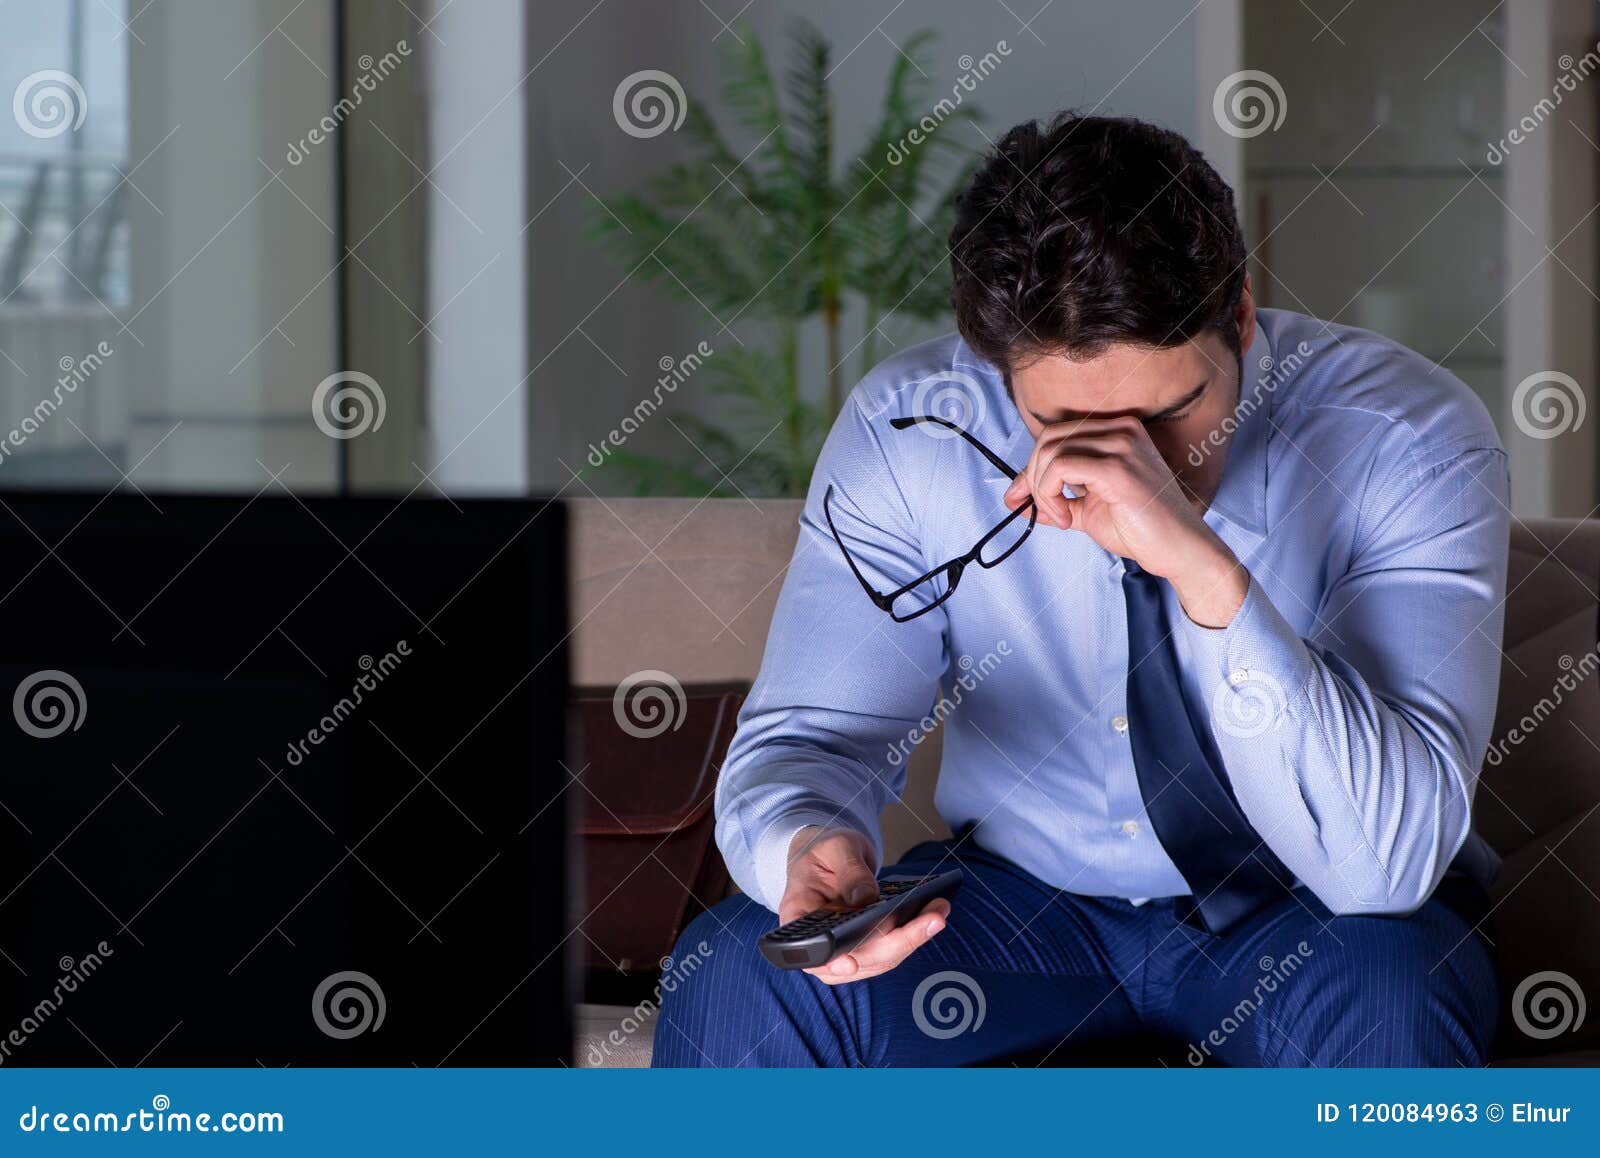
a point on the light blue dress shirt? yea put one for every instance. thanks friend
(1351, 697)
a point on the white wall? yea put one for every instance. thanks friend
(477, 258)
(1550, 315)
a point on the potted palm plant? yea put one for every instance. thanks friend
(786, 234)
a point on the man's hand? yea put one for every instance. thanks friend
(833, 866)
(1132, 505)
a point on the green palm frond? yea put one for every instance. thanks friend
(751, 96)
(766, 230)
(811, 108)
(906, 97)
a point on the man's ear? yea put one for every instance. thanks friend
(1244, 316)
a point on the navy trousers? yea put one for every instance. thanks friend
(1025, 973)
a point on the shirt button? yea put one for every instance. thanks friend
(1130, 827)
(1119, 723)
(1238, 676)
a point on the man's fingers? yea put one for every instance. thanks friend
(1046, 492)
(853, 880)
(1070, 462)
(884, 950)
(1023, 488)
(843, 856)
(1075, 454)
(799, 900)
(1101, 475)
(831, 866)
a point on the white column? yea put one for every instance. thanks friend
(1550, 314)
(1219, 53)
(477, 208)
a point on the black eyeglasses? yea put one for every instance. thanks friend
(927, 591)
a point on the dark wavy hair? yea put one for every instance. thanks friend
(1089, 231)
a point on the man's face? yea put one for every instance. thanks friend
(1182, 394)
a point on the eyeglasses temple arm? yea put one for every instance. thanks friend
(827, 513)
(998, 462)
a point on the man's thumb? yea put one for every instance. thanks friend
(856, 883)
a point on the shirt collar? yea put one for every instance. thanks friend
(1242, 497)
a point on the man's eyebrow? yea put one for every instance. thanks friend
(1165, 412)
(1182, 402)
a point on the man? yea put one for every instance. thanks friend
(1213, 779)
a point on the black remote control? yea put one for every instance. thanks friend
(821, 935)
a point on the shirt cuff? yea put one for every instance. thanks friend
(1251, 671)
(772, 851)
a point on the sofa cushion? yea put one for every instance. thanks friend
(1540, 789)
(1542, 768)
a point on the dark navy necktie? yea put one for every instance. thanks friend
(1229, 869)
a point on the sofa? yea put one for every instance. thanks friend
(688, 586)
